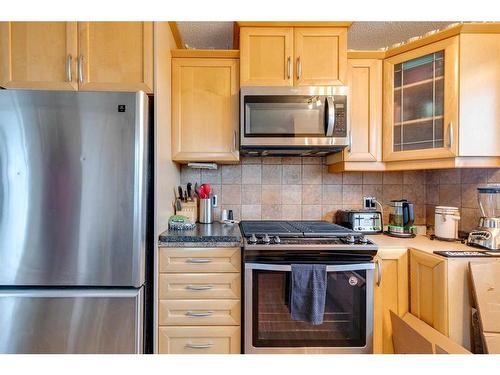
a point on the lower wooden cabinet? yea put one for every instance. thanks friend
(429, 289)
(199, 293)
(199, 340)
(391, 294)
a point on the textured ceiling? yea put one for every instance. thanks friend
(361, 36)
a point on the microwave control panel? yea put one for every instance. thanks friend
(340, 128)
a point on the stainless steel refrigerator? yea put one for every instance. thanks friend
(73, 198)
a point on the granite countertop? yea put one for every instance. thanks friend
(204, 235)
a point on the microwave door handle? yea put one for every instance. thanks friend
(329, 116)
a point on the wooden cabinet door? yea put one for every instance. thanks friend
(421, 103)
(205, 98)
(116, 56)
(391, 294)
(365, 110)
(429, 289)
(266, 56)
(38, 55)
(320, 56)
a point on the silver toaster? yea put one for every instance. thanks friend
(363, 221)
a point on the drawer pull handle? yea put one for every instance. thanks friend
(199, 346)
(200, 314)
(199, 261)
(199, 287)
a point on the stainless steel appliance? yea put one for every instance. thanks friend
(488, 234)
(308, 120)
(363, 221)
(401, 219)
(269, 250)
(74, 183)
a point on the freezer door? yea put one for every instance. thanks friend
(73, 172)
(60, 321)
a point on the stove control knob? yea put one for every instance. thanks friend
(266, 238)
(277, 240)
(350, 239)
(252, 239)
(363, 240)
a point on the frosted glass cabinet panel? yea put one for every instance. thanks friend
(421, 102)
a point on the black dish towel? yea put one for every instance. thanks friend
(308, 292)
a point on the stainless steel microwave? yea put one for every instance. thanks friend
(308, 120)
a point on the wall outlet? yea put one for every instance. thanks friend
(369, 203)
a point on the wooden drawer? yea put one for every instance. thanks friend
(199, 340)
(199, 286)
(200, 260)
(199, 312)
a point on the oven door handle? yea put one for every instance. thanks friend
(329, 116)
(329, 268)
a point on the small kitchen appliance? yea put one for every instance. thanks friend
(306, 120)
(401, 219)
(270, 248)
(446, 223)
(363, 221)
(488, 234)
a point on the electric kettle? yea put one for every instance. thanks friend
(401, 219)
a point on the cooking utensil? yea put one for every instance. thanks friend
(206, 189)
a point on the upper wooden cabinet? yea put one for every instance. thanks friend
(205, 109)
(288, 56)
(92, 56)
(421, 102)
(38, 55)
(364, 79)
(266, 55)
(116, 56)
(320, 55)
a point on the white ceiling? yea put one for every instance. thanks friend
(361, 35)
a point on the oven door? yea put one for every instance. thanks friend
(348, 320)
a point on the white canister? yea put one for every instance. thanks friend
(446, 222)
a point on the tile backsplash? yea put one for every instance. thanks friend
(296, 188)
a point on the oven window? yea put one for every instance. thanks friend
(284, 116)
(344, 321)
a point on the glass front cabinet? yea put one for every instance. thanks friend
(421, 103)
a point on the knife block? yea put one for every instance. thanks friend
(190, 210)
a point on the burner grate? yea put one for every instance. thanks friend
(293, 228)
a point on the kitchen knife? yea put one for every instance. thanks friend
(179, 188)
(190, 191)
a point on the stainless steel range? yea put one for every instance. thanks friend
(270, 248)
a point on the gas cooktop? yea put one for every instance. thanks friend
(293, 229)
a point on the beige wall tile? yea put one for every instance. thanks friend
(251, 194)
(251, 174)
(469, 195)
(392, 192)
(429, 214)
(271, 194)
(311, 212)
(352, 194)
(494, 175)
(190, 175)
(372, 178)
(251, 212)
(331, 178)
(450, 195)
(292, 174)
(332, 194)
(414, 193)
(231, 174)
(449, 176)
(328, 212)
(231, 194)
(271, 160)
(271, 174)
(235, 208)
(251, 160)
(414, 177)
(469, 219)
(291, 194)
(311, 174)
(432, 177)
(419, 210)
(311, 194)
(291, 160)
(376, 191)
(352, 178)
(311, 160)
(474, 176)
(392, 178)
(271, 212)
(432, 194)
(211, 176)
(291, 212)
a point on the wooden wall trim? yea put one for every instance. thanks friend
(216, 53)
(176, 34)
